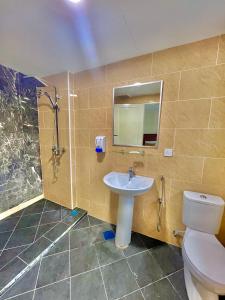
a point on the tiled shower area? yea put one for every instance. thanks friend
(65, 257)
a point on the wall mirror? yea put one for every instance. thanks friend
(136, 114)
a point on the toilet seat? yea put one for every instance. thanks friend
(204, 256)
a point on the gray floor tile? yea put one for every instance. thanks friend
(150, 242)
(42, 229)
(65, 212)
(24, 284)
(160, 290)
(53, 268)
(61, 246)
(50, 206)
(8, 224)
(26, 296)
(4, 238)
(177, 280)
(56, 291)
(136, 245)
(34, 208)
(80, 238)
(145, 268)
(8, 255)
(8, 272)
(28, 221)
(97, 232)
(95, 221)
(57, 231)
(108, 252)
(83, 223)
(168, 257)
(22, 237)
(70, 220)
(118, 279)
(88, 286)
(33, 251)
(134, 296)
(51, 217)
(82, 260)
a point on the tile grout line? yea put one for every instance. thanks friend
(96, 253)
(174, 289)
(39, 221)
(135, 279)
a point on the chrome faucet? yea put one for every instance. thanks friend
(131, 173)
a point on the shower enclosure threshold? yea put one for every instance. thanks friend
(33, 253)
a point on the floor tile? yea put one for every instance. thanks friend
(26, 296)
(137, 245)
(118, 279)
(4, 238)
(145, 268)
(34, 208)
(57, 231)
(22, 237)
(8, 224)
(134, 296)
(28, 221)
(65, 212)
(97, 232)
(8, 255)
(150, 242)
(95, 221)
(160, 290)
(168, 257)
(88, 286)
(108, 252)
(33, 251)
(53, 268)
(8, 272)
(61, 246)
(56, 291)
(70, 220)
(82, 260)
(83, 223)
(42, 229)
(24, 284)
(50, 206)
(51, 217)
(177, 280)
(80, 238)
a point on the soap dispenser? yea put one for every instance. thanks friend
(100, 144)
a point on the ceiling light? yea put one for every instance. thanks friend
(75, 1)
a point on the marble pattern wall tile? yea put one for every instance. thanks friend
(20, 171)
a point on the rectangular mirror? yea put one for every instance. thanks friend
(136, 114)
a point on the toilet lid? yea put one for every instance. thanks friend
(206, 254)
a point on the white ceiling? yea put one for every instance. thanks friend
(42, 37)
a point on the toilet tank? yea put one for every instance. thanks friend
(202, 212)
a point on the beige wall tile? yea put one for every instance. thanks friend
(82, 138)
(200, 142)
(193, 114)
(168, 115)
(221, 54)
(59, 80)
(214, 171)
(184, 57)
(129, 69)
(82, 99)
(217, 117)
(170, 85)
(100, 96)
(97, 118)
(82, 119)
(203, 83)
(89, 78)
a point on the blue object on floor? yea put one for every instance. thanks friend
(109, 235)
(74, 212)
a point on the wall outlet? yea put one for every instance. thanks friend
(168, 152)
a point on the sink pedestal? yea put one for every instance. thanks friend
(124, 221)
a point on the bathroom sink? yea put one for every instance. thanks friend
(120, 183)
(127, 187)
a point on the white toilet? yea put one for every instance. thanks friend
(203, 254)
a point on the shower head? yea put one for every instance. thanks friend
(40, 93)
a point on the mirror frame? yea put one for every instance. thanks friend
(160, 109)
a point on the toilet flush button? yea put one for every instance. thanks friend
(168, 152)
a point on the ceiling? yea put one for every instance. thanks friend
(42, 37)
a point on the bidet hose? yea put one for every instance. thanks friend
(161, 203)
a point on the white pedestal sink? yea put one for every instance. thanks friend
(127, 189)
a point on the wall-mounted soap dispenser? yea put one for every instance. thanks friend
(100, 143)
